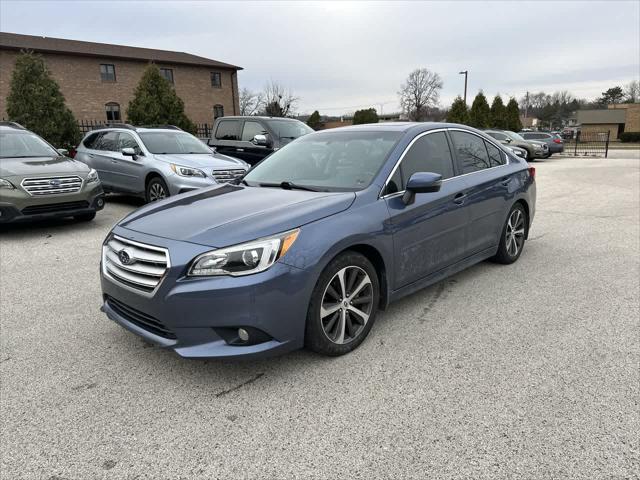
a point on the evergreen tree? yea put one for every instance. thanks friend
(365, 116)
(512, 116)
(459, 113)
(35, 101)
(480, 113)
(155, 103)
(498, 113)
(314, 120)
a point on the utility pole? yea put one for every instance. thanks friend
(465, 73)
(526, 105)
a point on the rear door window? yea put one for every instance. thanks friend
(471, 151)
(108, 142)
(228, 130)
(496, 157)
(498, 136)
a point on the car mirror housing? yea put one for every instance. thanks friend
(261, 140)
(63, 151)
(129, 152)
(421, 182)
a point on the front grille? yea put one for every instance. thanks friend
(52, 185)
(54, 207)
(140, 319)
(136, 265)
(224, 176)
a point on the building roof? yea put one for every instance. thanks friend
(15, 41)
(600, 116)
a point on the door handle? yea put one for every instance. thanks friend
(459, 198)
(114, 161)
(239, 149)
(91, 155)
(505, 181)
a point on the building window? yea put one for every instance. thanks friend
(113, 112)
(107, 72)
(218, 111)
(167, 73)
(216, 79)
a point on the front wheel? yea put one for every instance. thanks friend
(156, 190)
(513, 236)
(343, 305)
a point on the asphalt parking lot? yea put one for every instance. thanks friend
(525, 371)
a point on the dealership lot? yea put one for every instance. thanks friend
(521, 371)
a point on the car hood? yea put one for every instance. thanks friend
(229, 214)
(41, 166)
(206, 161)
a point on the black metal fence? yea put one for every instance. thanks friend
(588, 144)
(203, 130)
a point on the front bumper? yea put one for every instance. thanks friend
(178, 184)
(192, 315)
(18, 206)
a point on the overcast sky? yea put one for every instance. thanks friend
(338, 57)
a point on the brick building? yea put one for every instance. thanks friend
(617, 118)
(98, 79)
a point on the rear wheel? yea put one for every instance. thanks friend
(513, 236)
(343, 305)
(156, 189)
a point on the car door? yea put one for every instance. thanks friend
(101, 157)
(428, 234)
(487, 185)
(252, 153)
(128, 171)
(227, 137)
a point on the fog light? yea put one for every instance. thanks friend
(243, 334)
(100, 202)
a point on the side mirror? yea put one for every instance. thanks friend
(508, 140)
(260, 140)
(129, 152)
(421, 182)
(63, 151)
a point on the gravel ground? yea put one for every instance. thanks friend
(526, 371)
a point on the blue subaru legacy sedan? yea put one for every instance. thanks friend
(316, 239)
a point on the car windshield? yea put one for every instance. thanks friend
(173, 143)
(514, 136)
(327, 161)
(289, 130)
(16, 145)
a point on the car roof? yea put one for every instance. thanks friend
(415, 127)
(256, 117)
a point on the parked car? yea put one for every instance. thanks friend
(553, 140)
(37, 181)
(253, 138)
(535, 149)
(155, 163)
(316, 239)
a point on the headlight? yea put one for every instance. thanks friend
(187, 171)
(244, 259)
(6, 184)
(92, 176)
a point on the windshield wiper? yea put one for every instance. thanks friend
(289, 186)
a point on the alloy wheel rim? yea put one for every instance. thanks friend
(514, 235)
(157, 192)
(346, 305)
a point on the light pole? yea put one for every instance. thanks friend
(465, 73)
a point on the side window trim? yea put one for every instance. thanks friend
(490, 140)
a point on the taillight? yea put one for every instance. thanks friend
(557, 140)
(532, 173)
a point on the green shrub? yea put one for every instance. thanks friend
(35, 102)
(630, 137)
(365, 116)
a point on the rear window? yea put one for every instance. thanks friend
(228, 130)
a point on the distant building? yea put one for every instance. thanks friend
(528, 122)
(98, 79)
(618, 118)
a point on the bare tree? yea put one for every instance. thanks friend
(278, 101)
(419, 93)
(249, 101)
(632, 92)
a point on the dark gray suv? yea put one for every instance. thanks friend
(554, 141)
(253, 138)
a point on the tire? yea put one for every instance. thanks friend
(85, 217)
(156, 190)
(508, 251)
(342, 329)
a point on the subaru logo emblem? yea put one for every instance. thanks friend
(124, 257)
(55, 182)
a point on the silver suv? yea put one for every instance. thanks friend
(155, 163)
